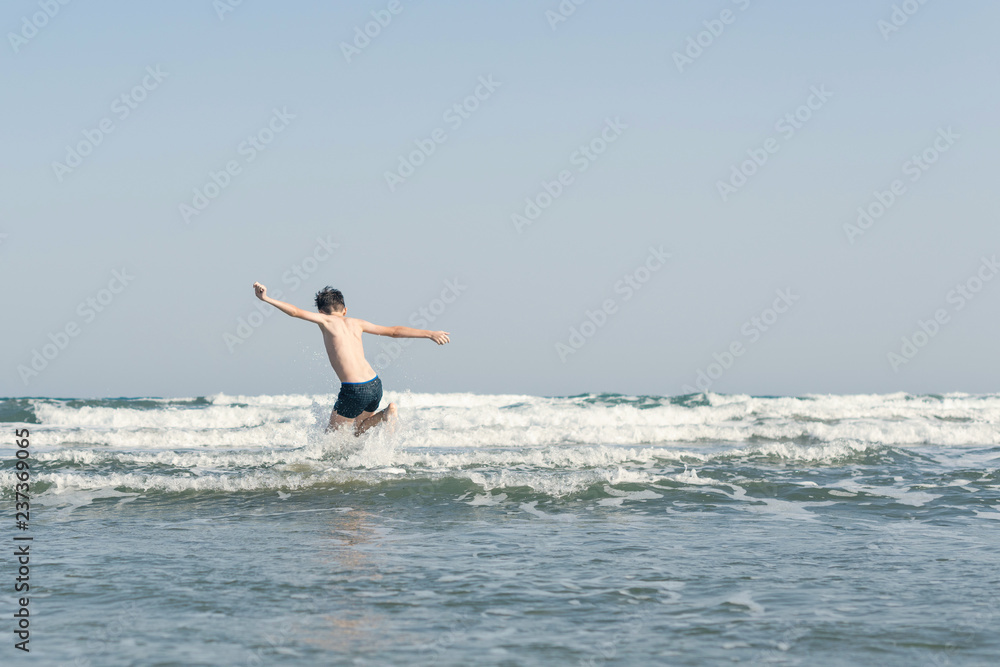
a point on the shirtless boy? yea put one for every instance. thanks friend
(361, 388)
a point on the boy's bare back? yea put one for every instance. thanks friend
(342, 337)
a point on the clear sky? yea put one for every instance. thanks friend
(742, 158)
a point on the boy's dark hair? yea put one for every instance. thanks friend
(329, 300)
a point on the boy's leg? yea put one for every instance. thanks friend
(337, 420)
(366, 420)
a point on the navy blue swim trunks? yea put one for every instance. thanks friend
(357, 397)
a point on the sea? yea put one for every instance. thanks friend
(599, 529)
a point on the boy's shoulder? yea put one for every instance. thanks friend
(352, 322)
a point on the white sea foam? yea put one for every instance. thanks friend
(556, 446)
(496, 421)
(212, 416)
(902, 494)
(745, 599)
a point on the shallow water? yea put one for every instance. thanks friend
(515, 530)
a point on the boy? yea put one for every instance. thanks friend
(361, 388)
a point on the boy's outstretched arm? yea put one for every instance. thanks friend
(439, 337)
(286, 308)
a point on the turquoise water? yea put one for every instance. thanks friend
(514, 530)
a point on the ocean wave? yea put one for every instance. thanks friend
(564, 457)
(470, 420)
(553, 445)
